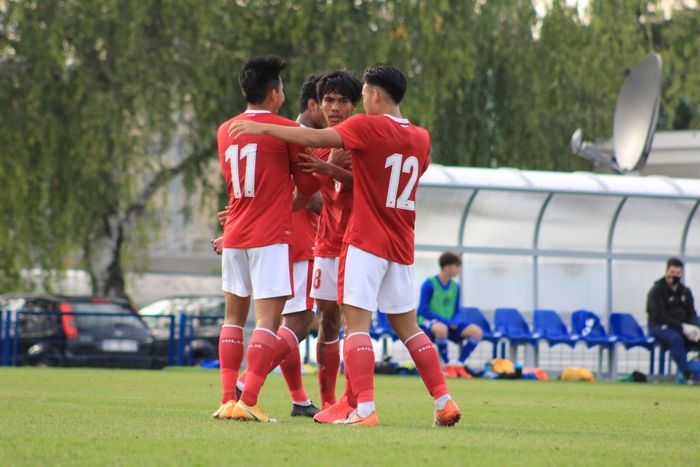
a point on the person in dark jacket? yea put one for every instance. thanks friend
(672, 317)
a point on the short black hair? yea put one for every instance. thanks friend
(389, 78)
(673, 261)
(449, 258)
(259, 76)
(308, 91)
(342, 82)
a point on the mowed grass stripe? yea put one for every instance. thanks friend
(128, 417)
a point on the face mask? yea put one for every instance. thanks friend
(675, 280)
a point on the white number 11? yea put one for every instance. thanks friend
(248, 152)
(410, 165)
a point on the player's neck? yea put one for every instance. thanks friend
(390, 109)
(444, 278)
(306, 120)
(268, 108)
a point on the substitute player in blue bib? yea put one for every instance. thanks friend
(439, 303)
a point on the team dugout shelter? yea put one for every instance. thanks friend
(555, 240)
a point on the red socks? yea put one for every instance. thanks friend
(291, 364)
(347, 393)
(360, 364)
(426, 359)
(283, 345)
(286, 342)
(328, 359)
(259, 360)
(230, 357)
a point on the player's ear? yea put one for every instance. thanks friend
(376, 95)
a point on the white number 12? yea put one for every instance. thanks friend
(248, 152)
(410, 165)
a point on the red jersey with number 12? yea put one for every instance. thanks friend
(257, 171)
(389, 155)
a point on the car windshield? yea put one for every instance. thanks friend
(89, 321)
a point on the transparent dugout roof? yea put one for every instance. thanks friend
(554, 239)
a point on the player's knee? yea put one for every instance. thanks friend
(675, 338)
(329, 325)
(439, 330)
(298, 323)
(473, 331)
(404, 324)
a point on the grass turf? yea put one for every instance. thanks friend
(123, 417)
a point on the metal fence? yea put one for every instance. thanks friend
(62, 338)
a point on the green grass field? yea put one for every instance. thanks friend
(122, 417)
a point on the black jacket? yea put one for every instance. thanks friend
(666, 307)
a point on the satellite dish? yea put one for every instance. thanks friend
(636, 113)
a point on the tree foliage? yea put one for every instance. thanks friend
(93, 95)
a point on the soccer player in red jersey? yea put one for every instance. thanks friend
(257, 233)
(376, 267)
(339, 93)
(297, 314)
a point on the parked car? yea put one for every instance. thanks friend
(49, 334)
(205, 316)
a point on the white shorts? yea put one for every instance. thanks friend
(325, 279)
(301, 300)
(264, 271)
(367, 281)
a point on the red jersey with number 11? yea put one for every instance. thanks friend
(257, 170)
(389, 155)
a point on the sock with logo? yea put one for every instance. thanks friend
(230, 358)
(426, 359)
(259, 359)
(328, 359)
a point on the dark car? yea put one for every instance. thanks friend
(205, 315)
(78, 331)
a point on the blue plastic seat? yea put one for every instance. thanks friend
(588, 327)
(513, 326)
(473, 315)
(552, 328)
(629, 332)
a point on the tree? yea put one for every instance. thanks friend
(93, 95)
(97, 91)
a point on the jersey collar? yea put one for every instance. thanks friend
(402, 121)
(249, 111)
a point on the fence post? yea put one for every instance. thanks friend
(6, 341)
(190, 337)
(181, 339)
(2, 338)
(15, 339)
(171, 341)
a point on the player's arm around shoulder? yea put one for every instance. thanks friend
(301, 136)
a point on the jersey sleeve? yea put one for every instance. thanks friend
(307, 183)
(354, 132)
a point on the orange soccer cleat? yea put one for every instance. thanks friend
(462, 372)
(448, 416)
(338, 411)
(224, 411)
(451, 371)
(355, 419)
(246, 413)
